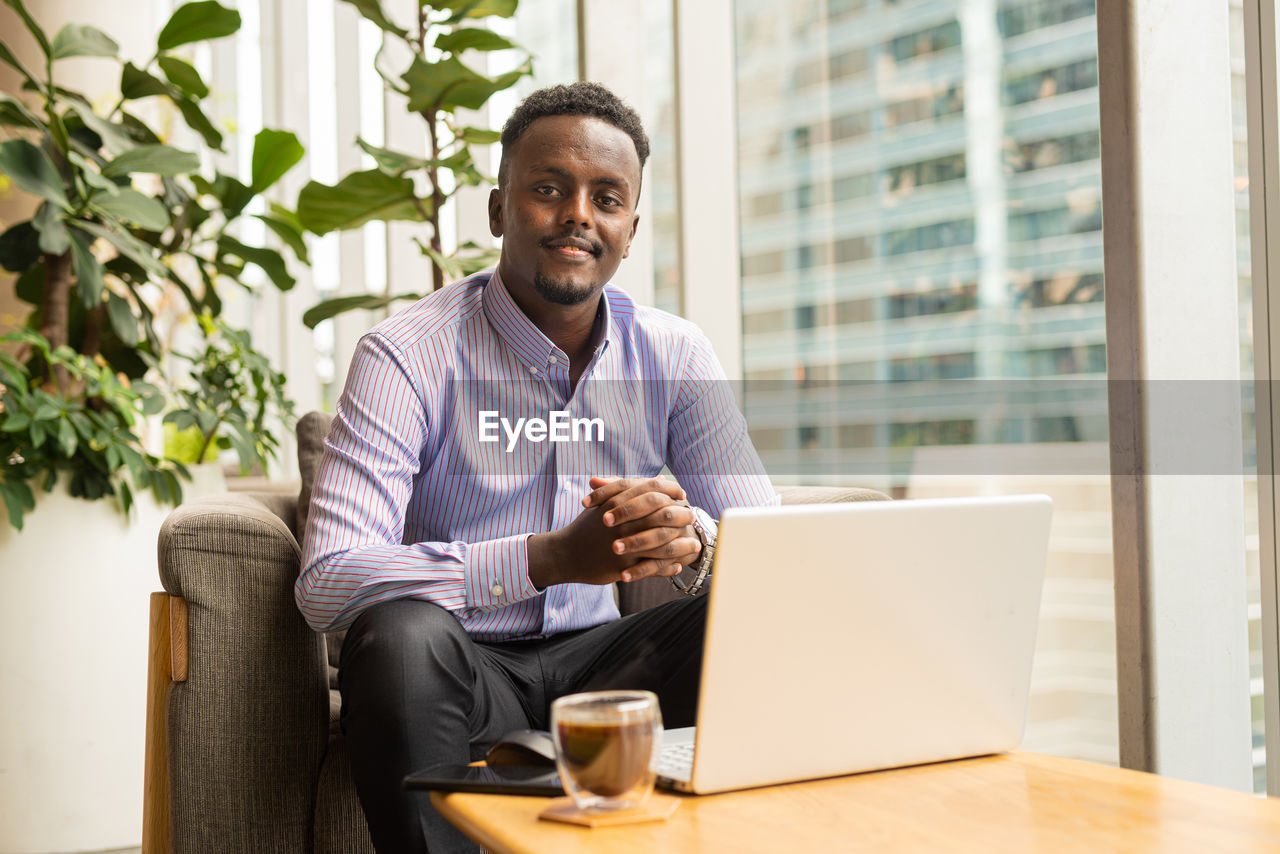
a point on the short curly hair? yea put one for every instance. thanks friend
(574, 99)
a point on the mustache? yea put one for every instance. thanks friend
(575, 239)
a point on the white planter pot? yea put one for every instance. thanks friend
(73, 666)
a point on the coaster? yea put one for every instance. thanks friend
(657, 808)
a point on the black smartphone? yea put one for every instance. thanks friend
(493, 780)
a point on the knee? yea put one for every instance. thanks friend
(404, 631)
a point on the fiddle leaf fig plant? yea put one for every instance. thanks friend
(129, 240)
(437, 86)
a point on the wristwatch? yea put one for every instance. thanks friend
(705, 527)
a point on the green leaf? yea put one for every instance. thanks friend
(199, 122)
(472, 38)
(19, 247)
(138, 132)
(81, 40)
(88, 271)
(32, 170)
(183, 75)
(132, 248)
(340, 305)
(392, 162)
(67, 438)
(18, 499)
(451, 269)
(449, 84)
(136, 83)
(358, 198)
(372, 11)
(152, 160)
(196, 22)
(97, 182)
(268, 260)
(30, 285)
(275, 152)
(30, 22)
(232, 194)
(115, 137)
(479, 136)
(54, 239)
(8, 57)
(289, 233)
(122, 319)
(14, 113)
(133, 206)
(477, 8)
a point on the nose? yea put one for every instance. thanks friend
(577, 209)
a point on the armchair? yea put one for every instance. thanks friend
(244, 752)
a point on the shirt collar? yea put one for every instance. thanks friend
(531, 346)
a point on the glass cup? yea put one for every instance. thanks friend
(607, 744)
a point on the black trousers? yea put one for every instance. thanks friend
(417, 690)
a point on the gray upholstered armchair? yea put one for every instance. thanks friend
(244, 753)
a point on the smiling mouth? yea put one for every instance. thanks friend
(573, 246)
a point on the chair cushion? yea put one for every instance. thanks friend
(312, 430)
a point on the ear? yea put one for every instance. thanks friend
(495, 212)
(635, 221)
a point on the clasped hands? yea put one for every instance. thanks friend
(629, 529)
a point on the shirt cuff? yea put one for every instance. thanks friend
(497, 573)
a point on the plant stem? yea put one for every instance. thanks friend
(433, 175)
(93, 331)
(433, 172)
(208, 439)
(54, 307)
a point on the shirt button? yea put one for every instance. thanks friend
(496, 590)
(553, 360)
(533, 370)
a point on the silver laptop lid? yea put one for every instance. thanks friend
(856, 636)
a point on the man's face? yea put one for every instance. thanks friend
(566, 209)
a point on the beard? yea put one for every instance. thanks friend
(561, 291)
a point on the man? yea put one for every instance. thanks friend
(471, 562)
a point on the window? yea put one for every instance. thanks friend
(925, 42)
(1018, 18)
(936, 280)
(1051, 82)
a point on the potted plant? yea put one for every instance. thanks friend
(437, 85)
(130, 241)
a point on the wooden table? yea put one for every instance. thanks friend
(1017, 802)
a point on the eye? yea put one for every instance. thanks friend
(610, 201)
(545, 190)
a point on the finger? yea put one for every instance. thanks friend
(622, 489)
(649, 568)
(673, 515)
(636, 503)
(649, 538)
(679, 550)
(602, 488)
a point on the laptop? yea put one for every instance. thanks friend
(854, 637)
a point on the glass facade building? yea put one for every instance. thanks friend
(921, 216)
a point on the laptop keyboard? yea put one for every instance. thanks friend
(675, 761)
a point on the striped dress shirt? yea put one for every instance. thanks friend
(422, 493)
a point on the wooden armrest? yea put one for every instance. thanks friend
(167, 661)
